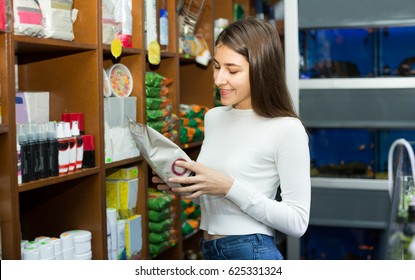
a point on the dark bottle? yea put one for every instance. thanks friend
(43, 151)
(34, 151)
(24, 152)
(53, 150)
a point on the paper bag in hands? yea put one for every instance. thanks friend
(159, 152)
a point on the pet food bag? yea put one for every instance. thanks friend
(160, 152)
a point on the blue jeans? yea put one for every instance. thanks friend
(241, 247)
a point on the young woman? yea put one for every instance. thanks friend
(253, 145)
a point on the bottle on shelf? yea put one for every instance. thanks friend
(63, 149)
(164, 26)
(24, 152)
(79, 144)
(89, 151)
(53, 150)
(72, 146)
(43, 151)
(33, 151)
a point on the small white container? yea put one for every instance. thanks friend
(31, 253)
(31, 244)
(68, 245)
(22, 246)
(68, 254)
(47, 251)
(67, 240)
(40, 239)
(82, 241)
(57, 244)
(86, 256)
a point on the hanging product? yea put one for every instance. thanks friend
(191, 13)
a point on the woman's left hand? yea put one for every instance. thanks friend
(206, 181)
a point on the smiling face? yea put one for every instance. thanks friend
(231, 76)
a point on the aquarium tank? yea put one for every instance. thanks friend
(353, 153)
(357, 52)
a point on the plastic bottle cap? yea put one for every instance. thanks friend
(42, 239)
(32, 244)
(51, 131)
(67, 129)
(75, 128)
(66, 117)
(60, 132)
(81, 235)
(68, 240)
(31, 130)
(88, 140)
(79, 117)
(82, 241)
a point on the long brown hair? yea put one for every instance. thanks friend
(259, 43)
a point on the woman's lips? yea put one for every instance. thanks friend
(225, 92)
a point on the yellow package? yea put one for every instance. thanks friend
(126, 173)
(128, 198)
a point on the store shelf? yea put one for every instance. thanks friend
(349, 184)
(36, 46)
(71, 71)
(124, 162)
(191, 145)
(125, 51)
(58, 179)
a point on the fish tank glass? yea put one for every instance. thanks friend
(338, 243)
(353, 153)
(357, 52)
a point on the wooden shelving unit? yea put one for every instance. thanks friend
(72, 73)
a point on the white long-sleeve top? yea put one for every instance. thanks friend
(260, 154)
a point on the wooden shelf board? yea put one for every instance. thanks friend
(123, 162)
(125, 51)
(191, 145)
(33, 45)
(58, 179)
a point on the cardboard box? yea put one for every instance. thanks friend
(126, 173)
(118, 109)
(32, 107)
(133, 237)
(122, 195)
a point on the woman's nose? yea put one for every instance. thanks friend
(220, 78)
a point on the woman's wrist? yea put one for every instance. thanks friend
(228, 185)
